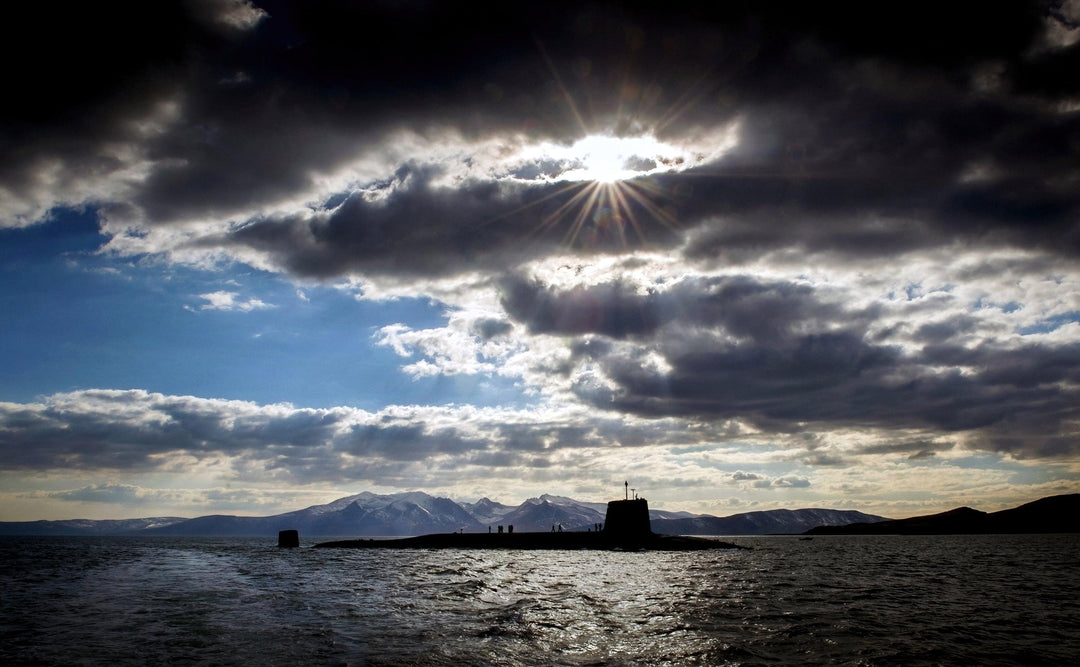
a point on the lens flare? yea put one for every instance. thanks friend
(602, 158)
(610, 192)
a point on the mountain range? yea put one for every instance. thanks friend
(417, 513)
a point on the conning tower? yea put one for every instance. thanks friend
(627, 519)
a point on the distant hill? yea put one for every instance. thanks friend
(1056, 514)
(86, 526)
(768, 522)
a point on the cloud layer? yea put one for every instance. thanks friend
(244, 118)
(861, 239)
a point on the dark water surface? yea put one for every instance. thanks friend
(834, 600)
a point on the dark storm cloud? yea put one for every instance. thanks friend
(407, 442)
(775, 354)
(86, 84)
(922, 455)
(742, 306)
(788, 381)
(490, 328)
(939, 332)
(919, 448)
(1020, 402)
(421, 229)
(844, 113)
(851, 131)
(613, 310)
(848, 134)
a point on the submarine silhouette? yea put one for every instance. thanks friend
(626, 527)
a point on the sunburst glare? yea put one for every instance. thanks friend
(609, 189)
(603, 158)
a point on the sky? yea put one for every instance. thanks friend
(256, 256)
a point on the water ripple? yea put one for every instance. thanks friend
(856, 601)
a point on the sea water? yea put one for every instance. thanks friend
(954, 600)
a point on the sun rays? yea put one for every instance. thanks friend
(601, 211)
(605, 158)
(611, 192)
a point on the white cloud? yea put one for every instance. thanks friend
(222, 300)
(156, 443)
(456, 349)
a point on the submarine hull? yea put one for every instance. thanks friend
(536, 541)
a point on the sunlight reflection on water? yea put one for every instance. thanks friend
(865, 600)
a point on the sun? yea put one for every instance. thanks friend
(609, 191)
(605, 158)
(606, 184)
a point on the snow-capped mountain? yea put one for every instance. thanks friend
(568, 502)
(538, 514)
(487, 511)
(541, 514)
(365, 514)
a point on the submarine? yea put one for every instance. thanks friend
(626, 528)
